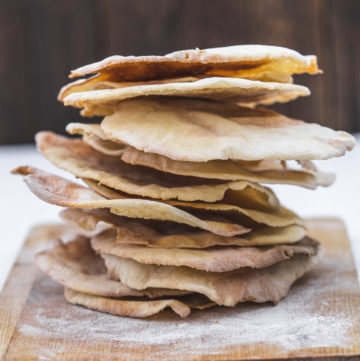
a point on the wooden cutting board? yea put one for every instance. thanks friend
(319, 320)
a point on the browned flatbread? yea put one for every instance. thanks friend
(214, 259)
(83, 161)
(100, 82)
(59, 191)
(160, 234)
(225, 288)
(98, 109)
(75, 265)
(182, 129)
(140, 309)
(89, 219)
(207, 216)
(264, 171)
(257, 209)
(250, 198)
(261, 62)
(243, 74)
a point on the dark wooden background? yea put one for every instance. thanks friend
(41, 40)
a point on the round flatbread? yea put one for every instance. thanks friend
(233, 90)
(214, 259)
(261, 62)
(225, 288)
(165, 234)
(183, 129)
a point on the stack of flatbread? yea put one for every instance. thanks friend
(172, 210)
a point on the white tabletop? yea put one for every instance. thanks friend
(20, 209)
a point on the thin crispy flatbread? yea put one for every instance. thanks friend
(160, 234)
(182, 129)
(59, 191)
(225, 288)
(207, 216)
(139, 309)
(262, 62)
(240, 91)
(215, 259)
(270, 216)
(100, 82)
(268, 171)
(83, 161)
(264, 171)
(75, 264)
(89, 219)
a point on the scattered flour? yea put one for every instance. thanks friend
(303, 319)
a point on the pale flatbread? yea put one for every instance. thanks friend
(95, 137)
(104, 146)
(83, 161)
(138, 309)
(59, 191)
(75, 264)
(215, 259)
(261, 62)
(264, 171)
(226, 288)
(240, 91)
(184, 129)
(161, 234)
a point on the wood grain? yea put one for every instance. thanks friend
(42, 41)
(21, 277)
(37, 323)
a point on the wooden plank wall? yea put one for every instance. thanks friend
(41, 40)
